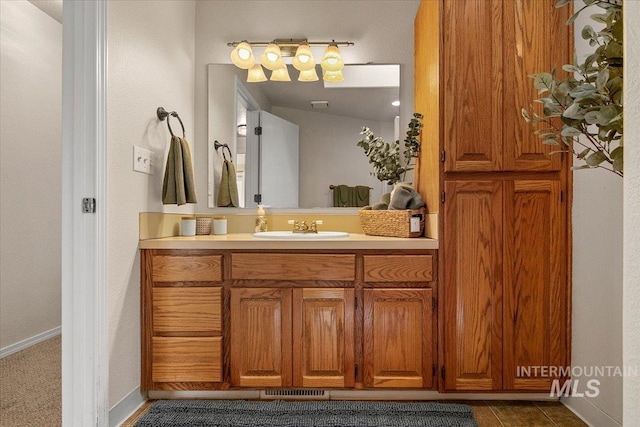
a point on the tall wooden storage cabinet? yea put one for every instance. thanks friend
(504, 196)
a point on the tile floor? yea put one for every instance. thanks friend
(491, 413)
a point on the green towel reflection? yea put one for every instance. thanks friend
(178, 186)
(228, 194)
(350, 197)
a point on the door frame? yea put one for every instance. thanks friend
(85, 355)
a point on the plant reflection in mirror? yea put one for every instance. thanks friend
(385, 157)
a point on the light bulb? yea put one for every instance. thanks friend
(303, 60)
(332, 61)
(242, 56)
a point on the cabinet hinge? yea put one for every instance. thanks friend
(442, 373)
(561, 196)
(88, 205)
(257, 198)
(443, 197)
(434, 303)
(257, 130)
(443, 155)
(433, 370)
(355, 303)
(355, 370)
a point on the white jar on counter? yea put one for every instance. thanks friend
(188, 226)
(219, 225)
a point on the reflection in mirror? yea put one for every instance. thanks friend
(289, 149)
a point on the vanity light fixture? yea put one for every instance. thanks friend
(300, 49)
(242, 56)
(256, 74)
(332, 76)
(303, 60)
(272, 58)
(332, 60)
(308, 76)
(280, 75)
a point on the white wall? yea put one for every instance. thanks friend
(631, 312)
(329, 154)
(597, 277)
(597, 274)
(151, 63)
(31, 176)
(382, 33)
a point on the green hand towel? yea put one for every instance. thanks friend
(362, 195)
(341, 196)
(178, 183)
(189, 181)
(228, 194)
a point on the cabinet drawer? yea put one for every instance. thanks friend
(187, 310)
(192, 268)
(293, 267)
(398, 268)
(186, 359)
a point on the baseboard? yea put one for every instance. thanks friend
(126, 407)
(355, 395)
(14, 348)
(588, 412)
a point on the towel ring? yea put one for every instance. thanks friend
(217, 145)
(164, 114)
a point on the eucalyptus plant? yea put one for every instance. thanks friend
(385, 158)
(582, 112)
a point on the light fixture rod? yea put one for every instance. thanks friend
(291, 42)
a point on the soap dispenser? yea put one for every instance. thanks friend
(261, 220)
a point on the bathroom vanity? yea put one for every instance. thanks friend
(239, 312)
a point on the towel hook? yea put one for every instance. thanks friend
(217, 145)
(164, 114)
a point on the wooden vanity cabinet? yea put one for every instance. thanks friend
(214, 320)
(504, 287)
(181, 316)
(293, 330)
(499, 44)
(399, 330)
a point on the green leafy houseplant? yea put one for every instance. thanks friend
(385, 158)
(583, 112)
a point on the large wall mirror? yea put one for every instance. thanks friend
(291, 142)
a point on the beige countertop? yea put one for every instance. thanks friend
(247, 241)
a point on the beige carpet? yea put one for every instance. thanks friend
(30, 382)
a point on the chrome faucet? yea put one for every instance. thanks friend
(303, 227)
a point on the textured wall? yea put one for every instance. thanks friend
(151, 56)
(631, 315)
(31, 177)
(597, 272)
(382, 32)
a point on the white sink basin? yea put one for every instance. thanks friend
(301, 236)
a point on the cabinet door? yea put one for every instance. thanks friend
(473, 285)
(472, 75)
(536, 39)
(261, 337)
(398, 338)
(535, 291)
(323, 341)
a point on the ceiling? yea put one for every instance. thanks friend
(361, 103)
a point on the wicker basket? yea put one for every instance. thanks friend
(392, 223)
(203, 225)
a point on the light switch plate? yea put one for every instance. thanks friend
(142, 160)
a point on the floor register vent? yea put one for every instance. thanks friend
(295, 394)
